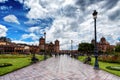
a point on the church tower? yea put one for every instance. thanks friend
(57, 46)
(41, 44)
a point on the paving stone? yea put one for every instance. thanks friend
(59, 68)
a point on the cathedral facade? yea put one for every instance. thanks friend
(48, 47)
(103, 45)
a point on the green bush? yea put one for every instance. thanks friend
(117, 68)
(13, 56)
(5, 64)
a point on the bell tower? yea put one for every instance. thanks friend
(41, 44)
(57, 46)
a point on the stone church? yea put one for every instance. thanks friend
(103, 45)
(49, 47)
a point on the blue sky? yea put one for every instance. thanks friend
(25, 21)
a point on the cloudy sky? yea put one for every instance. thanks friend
(25, 21)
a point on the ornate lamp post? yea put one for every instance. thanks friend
(34, 59)
(96, 65)
(45, 46)
(71, 47)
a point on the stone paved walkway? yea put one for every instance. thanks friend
(59, 68)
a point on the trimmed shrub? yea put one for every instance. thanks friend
(117, 68)
(5, 64)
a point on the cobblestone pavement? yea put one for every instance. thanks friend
(59, 68)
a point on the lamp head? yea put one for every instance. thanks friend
(44, 33)
(95, 14)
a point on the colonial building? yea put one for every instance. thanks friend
(6, 46)
(13, 48)
(49, 47)
(103, 45)
(9, 47)
(33, 49)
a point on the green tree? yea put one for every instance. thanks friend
(117, 48)
(5, 39)
(86, 47)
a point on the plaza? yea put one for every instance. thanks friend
(62, 67)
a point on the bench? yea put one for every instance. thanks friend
(87, 60)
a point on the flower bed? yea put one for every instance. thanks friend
(110, 58)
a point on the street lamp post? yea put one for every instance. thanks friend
(71, 47)
(34, 59)
(96, 65)
(45, 46)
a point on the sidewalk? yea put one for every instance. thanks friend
(59, 68)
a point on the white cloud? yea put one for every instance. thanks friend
(3, 30)
(34, 29)
(46, 8)
(11, 18)
(3, 1)
(63, 31)
(24, 42)
(75, 22)
(66, 28)
(36, 11)
(5, 7)
(117, 7)
(21, 1)
(32, 21)
(31, 35)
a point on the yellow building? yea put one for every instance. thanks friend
(13, 48)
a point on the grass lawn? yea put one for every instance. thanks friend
(103, 65)
(17, 61)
